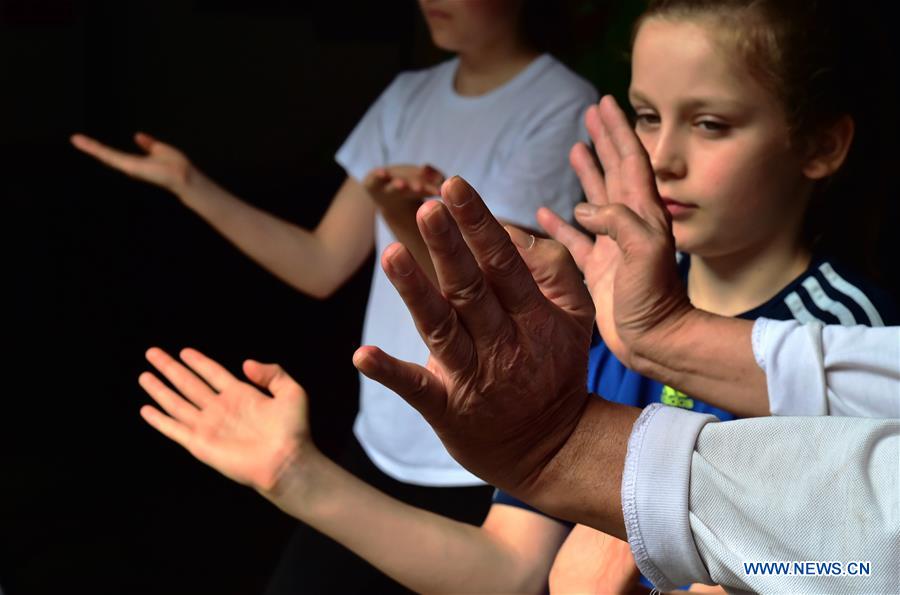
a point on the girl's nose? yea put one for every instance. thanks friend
(668, 158)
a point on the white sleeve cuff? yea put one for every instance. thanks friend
(791, 356)
(655, 496)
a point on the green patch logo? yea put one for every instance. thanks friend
(676, 398)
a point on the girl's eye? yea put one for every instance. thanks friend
(646, 119)
(713, 126)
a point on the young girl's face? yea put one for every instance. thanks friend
(718, 141)
(467, 25)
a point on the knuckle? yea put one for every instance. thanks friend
(418, 387)
(502, 261)
(473, 291)
(446, 336)
(445, 331)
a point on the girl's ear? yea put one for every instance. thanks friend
(829, 149)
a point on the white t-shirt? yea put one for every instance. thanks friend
(512, 145)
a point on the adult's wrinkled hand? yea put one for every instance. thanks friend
(508, 328)
(629, 265)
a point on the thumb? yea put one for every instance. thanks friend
(144, 141)
(578, 244)
(618, 222)
(273, 378)
(418, 387)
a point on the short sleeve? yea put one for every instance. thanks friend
(367, 146)
(537, 172)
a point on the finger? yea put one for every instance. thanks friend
(273, 378)
(555, 272)
(418, 387)
(209, 370)
(145, 141)
(432, 175)
(429, 171)
(606, 152)
(508, 277)
(168, 427)
(376, 180)
(170, 401)
(578, 244)
(620, 131)
(124, 162)
(187, 383)
(438, 323)
(460, 279)
(588, 173)
(635, 173)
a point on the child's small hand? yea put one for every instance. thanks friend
(403, 183)
(163, 164)
(629, 265)
(248, 436)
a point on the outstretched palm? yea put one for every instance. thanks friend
(228, 424)
(619, 267)
(163, 164)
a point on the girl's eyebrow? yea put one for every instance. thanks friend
(692, 103)
(636, 96)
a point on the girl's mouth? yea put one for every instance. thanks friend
(677, 208)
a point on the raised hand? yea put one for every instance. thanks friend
(162, 164)
(246, 435)
(387, 185)
(630, 264)
(505, 386)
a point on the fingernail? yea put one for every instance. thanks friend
(521, 239)
(361, 359)
(399, 263)
(586, 209)
(436, 220)
(462, 198)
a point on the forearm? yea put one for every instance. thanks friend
(421, 550)
(709, 357)
(293, 254)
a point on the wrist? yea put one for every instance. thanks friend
(294, 483)
(582, 483)
(188, 184)
(662, 344)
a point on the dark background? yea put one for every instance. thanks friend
(259, 95)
